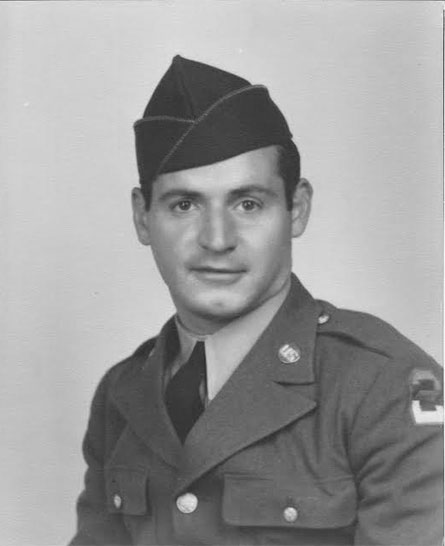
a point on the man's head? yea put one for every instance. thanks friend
(221, 195)
(221, 235)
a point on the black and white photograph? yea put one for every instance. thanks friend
(221, 227)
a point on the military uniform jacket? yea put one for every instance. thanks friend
(338, 447)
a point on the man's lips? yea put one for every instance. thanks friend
(218, 270)
(218, 275)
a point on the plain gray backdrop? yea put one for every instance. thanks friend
(361, 86)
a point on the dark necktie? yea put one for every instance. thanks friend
(182, 396)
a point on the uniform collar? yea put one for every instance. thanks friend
(226, 348)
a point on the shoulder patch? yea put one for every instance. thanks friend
(426, 398)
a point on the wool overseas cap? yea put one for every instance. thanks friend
(199, 115)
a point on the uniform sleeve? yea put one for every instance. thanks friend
(94, 524)
(396, 451)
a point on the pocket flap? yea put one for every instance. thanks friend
(281, 502)
(126, 490)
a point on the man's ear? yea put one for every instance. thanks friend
(140, 216)
(301, 207)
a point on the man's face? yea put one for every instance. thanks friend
(221, 236)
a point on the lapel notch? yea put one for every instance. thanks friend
(139, 396)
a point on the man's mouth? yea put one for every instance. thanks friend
(222, 270)
(226, 275)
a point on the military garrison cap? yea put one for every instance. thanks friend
(199, 115)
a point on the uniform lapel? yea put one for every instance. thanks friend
(262, 395)
(139, 396)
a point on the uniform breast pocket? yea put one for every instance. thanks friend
(290, 506)
(126, 490)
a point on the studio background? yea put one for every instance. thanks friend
(361, 86)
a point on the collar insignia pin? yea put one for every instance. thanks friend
(289, 353)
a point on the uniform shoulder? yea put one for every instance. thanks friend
(370, 333)
(137, 358)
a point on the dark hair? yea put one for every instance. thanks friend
(289, 168)
(288, 165)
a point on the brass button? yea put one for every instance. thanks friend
(117, 501)
(289, 353)
(290, 514)
(323, 318)
(187, 503)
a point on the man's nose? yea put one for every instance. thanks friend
(217, 231)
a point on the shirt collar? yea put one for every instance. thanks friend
(226, 348)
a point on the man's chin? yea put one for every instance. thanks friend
(222, 309)
(216, 304)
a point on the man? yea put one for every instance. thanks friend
(258, 415)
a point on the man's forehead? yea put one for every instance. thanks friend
(254, 168)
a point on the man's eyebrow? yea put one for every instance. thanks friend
(253, 188)
(179, 192)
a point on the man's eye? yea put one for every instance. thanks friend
(183, 206)
(249, 205)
